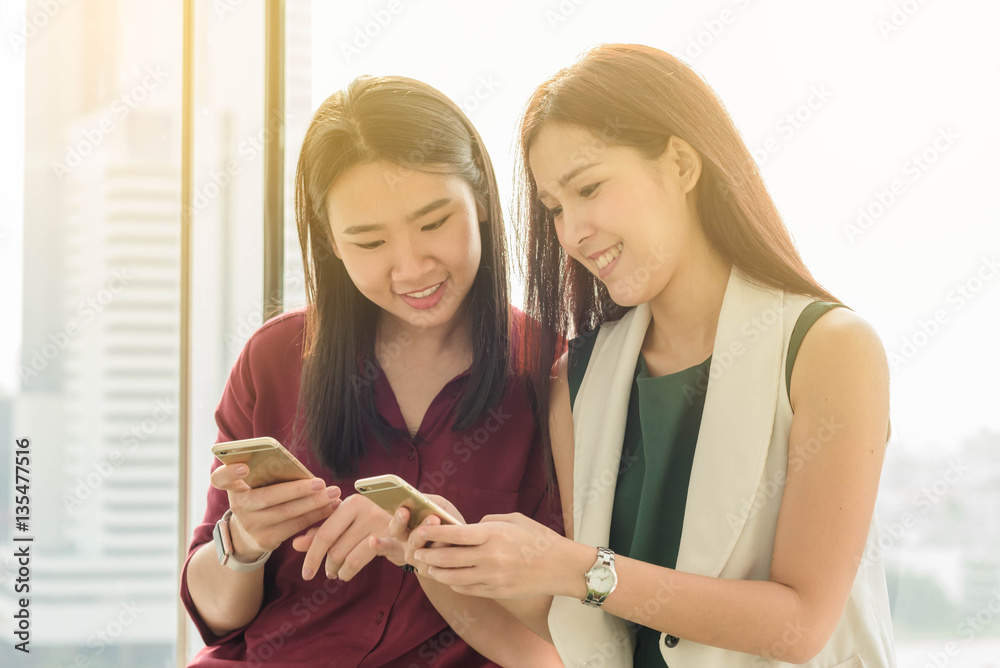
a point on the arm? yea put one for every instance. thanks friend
(262, 519)
(839, 393)
(484, 624)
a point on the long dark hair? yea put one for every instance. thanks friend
(410, 124)
(637, 96)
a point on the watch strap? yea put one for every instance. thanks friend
(224, 548)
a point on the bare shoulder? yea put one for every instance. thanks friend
(840, 352)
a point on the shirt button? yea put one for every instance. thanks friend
(411, 455)
(378, 618)
(671, 641)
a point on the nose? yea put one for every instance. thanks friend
(577, 226)
(412, 261)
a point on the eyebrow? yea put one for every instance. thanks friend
(419, 213)
(570, 175)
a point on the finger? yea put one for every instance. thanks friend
(509, 518)
(385, 546)
(228, 478)
(455, 576)
(281, 512)
(415, 542)
(399, 524)
(302, 543)
(356, 559)
(325, 537)
(448, 557)
(479, 590)
(282, 492)
(337, 555)
(279, 533)
(466, 534)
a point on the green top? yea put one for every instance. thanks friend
(661, 432)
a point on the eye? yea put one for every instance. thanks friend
(434, 226)
(372, 245)
(589, 190)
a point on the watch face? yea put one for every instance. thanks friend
(601, 578)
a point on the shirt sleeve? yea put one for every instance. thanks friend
(234, 418)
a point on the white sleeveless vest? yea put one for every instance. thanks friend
(736, 486)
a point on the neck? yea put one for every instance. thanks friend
(399, 343)
(685, 314)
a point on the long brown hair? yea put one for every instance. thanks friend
(409, 124)
(637, 96)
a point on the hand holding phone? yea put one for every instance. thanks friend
(262, 521)
(268, 460)
(390, 492)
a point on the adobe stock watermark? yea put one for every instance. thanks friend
(433, 648)
(84, 486)
(598, 142)
(968, 629)
(913, 168)
(723, 360)
(485, 87)
(92, 137)
(34, 22)
(87, 311)
(464, 450)
(791, 122)
(961, 294)
(712, 30)
(223, 7)
(220, 179)
(899, 16)
(560, 13)
(370, 30)
(927, 498)
(798, 458)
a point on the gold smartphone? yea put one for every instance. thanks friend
(269, 461)
(389, 492)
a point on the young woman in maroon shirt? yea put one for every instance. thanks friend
(402, 362)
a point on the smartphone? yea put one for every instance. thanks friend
(389, 492)
(269, 462)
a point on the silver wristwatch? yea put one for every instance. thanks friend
(601, 578)
(224, 547)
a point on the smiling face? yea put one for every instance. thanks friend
(630, 221)
(410, 240)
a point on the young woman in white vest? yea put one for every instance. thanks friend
(718, 425)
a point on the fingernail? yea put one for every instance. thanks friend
(419, 555)
(333, 492)
(241, 469)
(318, 484)
(307, 573)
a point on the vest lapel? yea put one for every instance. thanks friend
(735, 427)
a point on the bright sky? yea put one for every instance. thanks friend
(887, 89)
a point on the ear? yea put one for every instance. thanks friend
(681, 163)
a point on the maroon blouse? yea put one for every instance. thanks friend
(381, 617)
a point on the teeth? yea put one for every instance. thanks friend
(606, 259)
(426, 293)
